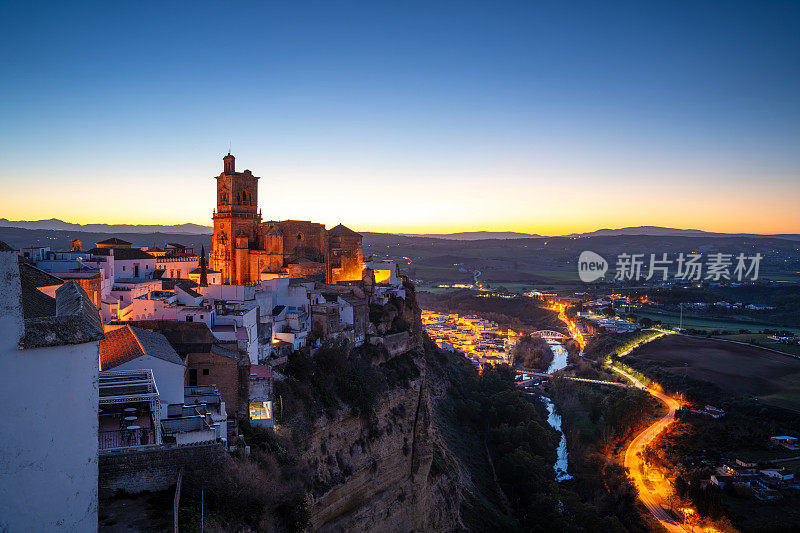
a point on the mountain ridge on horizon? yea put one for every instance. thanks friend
(197, 229)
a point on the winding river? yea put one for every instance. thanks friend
(554, 419)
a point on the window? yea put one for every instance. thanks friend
(189, 318)
(299, 236)
(260, 410)
(192, 377)
(201, 317)
(205, 371)
(123, 269)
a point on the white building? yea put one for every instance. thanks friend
(48, 386)
(132, 348)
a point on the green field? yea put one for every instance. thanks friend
(761, 339)
(736, 368)
(690, 322)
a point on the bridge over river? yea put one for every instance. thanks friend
(530, 377)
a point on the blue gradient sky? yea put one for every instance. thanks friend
(402, 116)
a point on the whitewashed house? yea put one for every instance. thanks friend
(48, 387)
(132, 348)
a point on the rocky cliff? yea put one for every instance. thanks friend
(374, 474)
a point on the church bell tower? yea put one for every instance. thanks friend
(236, 222)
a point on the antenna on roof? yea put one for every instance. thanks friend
(229, 147)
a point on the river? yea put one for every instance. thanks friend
(554, 419)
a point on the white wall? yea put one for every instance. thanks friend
(48, 431)
(169, 378)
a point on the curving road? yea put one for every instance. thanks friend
(656, 494)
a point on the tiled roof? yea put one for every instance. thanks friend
(208, 271)
(168, 284)
(154, 249)
(186, 286)
(114, 240)
(99, 251)
(342, 231)
(35, 303)
(75, 319)
(128, 343)
(36, 277)
(260, 371)
(126, 254)
(225, 352)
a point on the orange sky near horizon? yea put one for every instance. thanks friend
(389, 207)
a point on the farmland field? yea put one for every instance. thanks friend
(771, 377)
(672, 319)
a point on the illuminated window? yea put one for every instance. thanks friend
(260, 410)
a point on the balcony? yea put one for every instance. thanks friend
(125, 438)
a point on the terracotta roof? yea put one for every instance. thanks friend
(261, 371)
(342, 231)
(128, 343)
(114, 240)
(154, 249)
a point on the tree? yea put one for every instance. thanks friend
(203, 268)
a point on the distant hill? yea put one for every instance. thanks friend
(657, 231)
(55, 224)
(60, 225)
(474, 235)
(653, 231)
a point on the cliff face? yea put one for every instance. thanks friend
(375, 475)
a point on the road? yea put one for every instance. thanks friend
(656, 495)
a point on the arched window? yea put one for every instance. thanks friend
(299, 236)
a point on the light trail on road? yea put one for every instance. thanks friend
(655, 498)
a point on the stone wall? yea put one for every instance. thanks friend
(395, 344)
(153, 468)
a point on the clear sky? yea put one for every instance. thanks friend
(544, 117)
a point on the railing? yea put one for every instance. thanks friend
(124, 438)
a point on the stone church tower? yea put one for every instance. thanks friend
(246, 250)
(236, 222)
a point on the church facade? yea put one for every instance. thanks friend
(247, 250)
